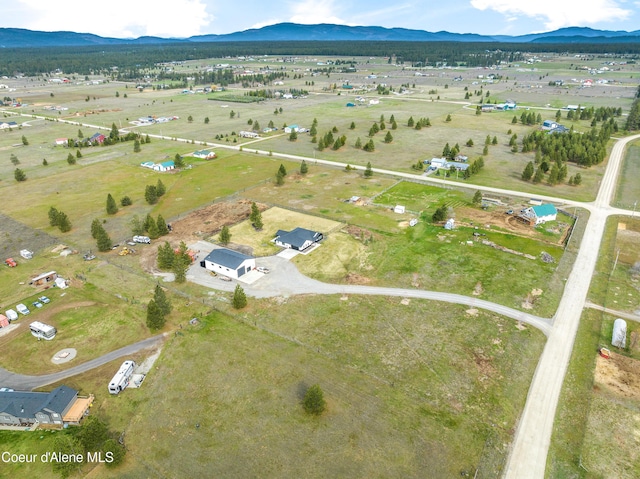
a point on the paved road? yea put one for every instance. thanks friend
(528, 456)
(25, 383)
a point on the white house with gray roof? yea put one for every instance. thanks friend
(228, 262)
(298, 239)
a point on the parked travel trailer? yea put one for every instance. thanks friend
(42, 331)
(121, 380)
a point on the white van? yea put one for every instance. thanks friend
(11, 315)
(22, 309)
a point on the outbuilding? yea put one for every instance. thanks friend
(228, 262)
(619, 335)
(164, 166)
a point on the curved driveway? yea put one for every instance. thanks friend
(23, 382)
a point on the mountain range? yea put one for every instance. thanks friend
(17, 37)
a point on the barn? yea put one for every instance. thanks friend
(228, 262)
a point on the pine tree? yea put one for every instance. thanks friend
(96, 226)
(225, 235)
(103, 241)
(112, 208)
(304, 169)
(477, 197)
(160, 189)
(314, 402)
(178, 161)
(166, 256)
(78, 154)
(411, 122)
(352, 126)
(358, 144)
(153, 231)
(125, 201)
(19, 175)
(282, 170)
(527, 174)
(388, 137)
(63, 222)
(539, 175)
(161, 300)
(148, 221)
(368, 172)
(239, 298)
(155, 318)
(151, 194)
(577, 179)
(279, 178)
(440, 214)
(256, 217)
(54, 215)
(161, 226)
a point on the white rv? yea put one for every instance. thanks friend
(11, 315)
(42, 331)
(121, 380)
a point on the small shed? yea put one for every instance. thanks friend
(619, 336)
(449, 225)
(399, 209)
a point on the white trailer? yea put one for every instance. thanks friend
(42, 331)
(121, 380)
(142, 239)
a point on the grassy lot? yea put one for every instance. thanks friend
(628, 190)
(618, 288)
(430, 388)
(277, 219)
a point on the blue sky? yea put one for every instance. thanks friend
(184, 18)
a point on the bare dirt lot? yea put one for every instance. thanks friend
(619, 374)
(16, 236)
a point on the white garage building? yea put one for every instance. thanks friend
(228, 262)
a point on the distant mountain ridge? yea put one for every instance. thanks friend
(17, 37)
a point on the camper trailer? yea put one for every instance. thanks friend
(121, 380)
(42, 331)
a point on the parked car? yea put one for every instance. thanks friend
(509, 212)
(262, 269)
(37, 304)
(224, 278)
(44, 299)
(22, 309)
(11, 315)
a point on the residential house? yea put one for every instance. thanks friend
(291, 128)
(97, 138)
(298, 239)
(228, 262)
(148, 164)
(204, 154)
(4, 125)
(53, 409)
(164, 166)
(61, 141)
(540, 214)
(248, 134)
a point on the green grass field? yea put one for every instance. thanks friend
(628, 190)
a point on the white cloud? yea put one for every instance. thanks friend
(120, 18)
(311, 12)
(557, 14)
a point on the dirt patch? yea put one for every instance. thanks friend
(472, 312)
(478, 290)
(354, 278)
(619, 374)
(360, 234)
(531, 298)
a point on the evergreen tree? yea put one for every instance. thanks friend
(54, 215)
(440, 214)
(358, 144)
(112, 208)
(103, 241)
(155, 318)
(388, 138)
(116, 451)
(161, 300)
(527, 174)
(279, 178)
(44, 162)
(239, 298)
(225, 235)
(293, 136)
(153, 231)
(448, 118)
(151, 194)
(161, 226)
(539, 175)
(368, 172)
(352, 126)
(553, 175)
(477, 197)
(160, 188)
(304, 169)
(136, 146)
(166, 256)
(96, 226)
(93, 433)
(282, 170)
(70, 445)
(314, 402)
(494, 141)
(178, 161)
(125, 201)
(63, 222)
(469, 143)
(78, 154)
(577, 179)
(411, 122)
(19, 175)
(369, 146)
(256, 217)
(114, 134)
